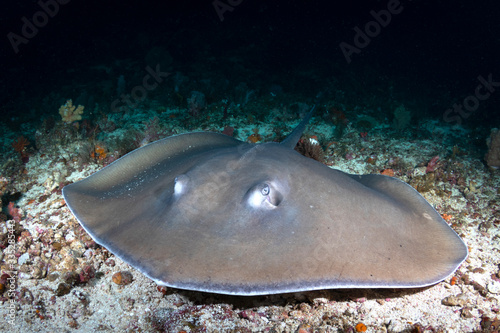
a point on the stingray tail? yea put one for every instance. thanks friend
(292, 138)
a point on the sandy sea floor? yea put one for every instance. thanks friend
(62, 281)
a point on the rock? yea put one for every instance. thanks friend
(37, 273)
(53, 276)
(122, 278)
(23, 258)
(467, 313)
(63, 289)
(459, 300)
(493, 287)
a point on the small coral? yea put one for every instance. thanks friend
(433, 164)
(228, 130)
(99, 153)
(402, 118)
(69, 113)
(254, 138)
(14, 212)
(20, 144)
(311, 148)
(492, 157)
(196, 103)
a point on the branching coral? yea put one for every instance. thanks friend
(310, 147)
(69, 113)
(20, 144)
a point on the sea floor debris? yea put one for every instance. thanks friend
(63, 280)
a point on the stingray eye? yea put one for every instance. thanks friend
(263, 195)
(265, 189)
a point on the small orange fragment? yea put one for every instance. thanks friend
(102, 153)
(254, 138)
(446, 217)
(371, 160)
(331, 143)
(388, 172)
(453, 280)
(360, 327)
(162, 289)
(98, 153)
(122, 278)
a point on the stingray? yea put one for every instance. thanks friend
(206, 212)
